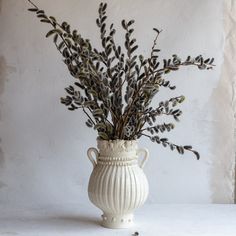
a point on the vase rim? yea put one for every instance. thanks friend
(116, 140)
(121, 144)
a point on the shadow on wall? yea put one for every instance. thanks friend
(1, 155)
(3, 74)
(2, 81)
(5, 69)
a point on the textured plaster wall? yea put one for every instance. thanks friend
(229, 69)
(43, 146)
(223, 103)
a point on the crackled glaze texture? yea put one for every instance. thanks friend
(117, 184)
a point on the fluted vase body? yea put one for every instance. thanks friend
(117, 184)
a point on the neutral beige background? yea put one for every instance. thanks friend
(43, 146)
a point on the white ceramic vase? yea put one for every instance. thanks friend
(117, 184)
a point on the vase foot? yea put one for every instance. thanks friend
(113, 221)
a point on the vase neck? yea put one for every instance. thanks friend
(117, 147)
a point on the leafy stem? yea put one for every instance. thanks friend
(116, 87)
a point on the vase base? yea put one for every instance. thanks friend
(117, 221)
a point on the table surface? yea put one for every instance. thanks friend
(150, 220)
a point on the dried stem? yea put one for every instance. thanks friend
(103, 90)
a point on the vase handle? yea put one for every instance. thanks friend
(146, 155)
(91, 158)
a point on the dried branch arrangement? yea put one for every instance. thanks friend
(115, 88)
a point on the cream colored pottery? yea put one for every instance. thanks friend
(117, 184)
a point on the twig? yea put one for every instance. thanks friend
(88, 116)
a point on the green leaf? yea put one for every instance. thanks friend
(93, 92)
(103, 18)
(103, 135)
(158, 31)
(40, 12)
(123, 24)
(188, 147)
(180, 149)
(197, 154)
(97, 112)
(100, 126)
(130, 22)
(52, 18)
(156, 50)
(133, 49)
(45, 21)
(51, 32)
(89, 123)
(60, 46)
(55, 38)
(88, 103)
(167, 71)
(33, 9)
(103, 28)
(211, 61)
(68, 42)
(42, 16)
(104, 7)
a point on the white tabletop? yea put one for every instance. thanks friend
(156, 220)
